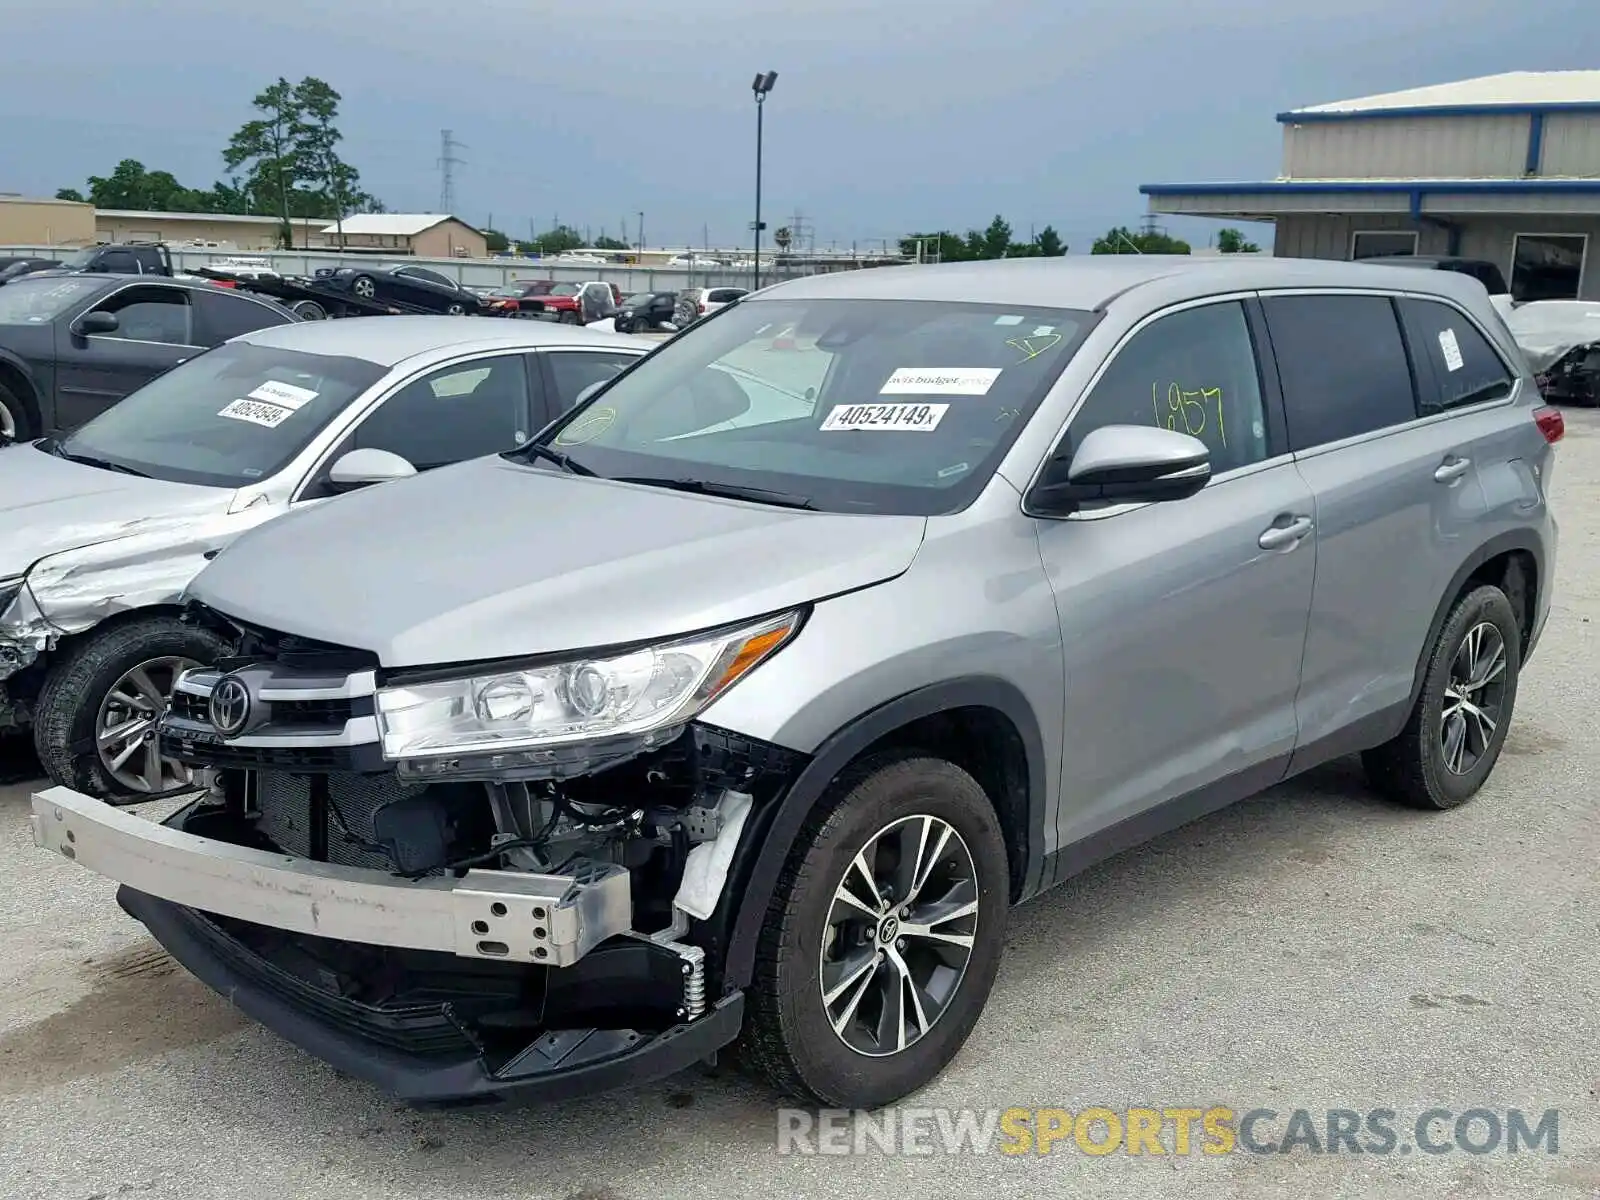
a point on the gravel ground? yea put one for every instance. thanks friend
(1311, 949)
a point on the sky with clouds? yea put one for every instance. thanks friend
(887, 116)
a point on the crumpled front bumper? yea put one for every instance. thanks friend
(185, 889)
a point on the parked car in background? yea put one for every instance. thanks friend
(13, 268)
(646, 310)
(416, 286)
(694, 303)
(101, 530)
(71, 346)
(1484, 271)
(572, 303)
(561, 770)
(126, 258)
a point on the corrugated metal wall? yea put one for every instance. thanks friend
(1571, 145)
(1407, 148)
(1491, 238)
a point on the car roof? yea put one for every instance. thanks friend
(1091, 282)
(393, 339)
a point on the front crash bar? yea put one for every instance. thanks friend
(509, 916)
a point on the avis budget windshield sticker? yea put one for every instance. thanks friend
(940, 381)
(269, 416)
(284, 395)
(912, 418)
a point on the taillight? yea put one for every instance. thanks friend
(702, 309)
(1551, 423)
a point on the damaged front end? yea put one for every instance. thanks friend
(24, 637)
(449, 915)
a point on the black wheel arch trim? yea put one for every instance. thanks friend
(754, 892)
(1524, 540)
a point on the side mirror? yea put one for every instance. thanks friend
(97, 322)
(359, 468)
(1124, 464)
(589, 391)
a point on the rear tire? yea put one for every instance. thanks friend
(15, 425)
(79, 685)
(1453, 739)
(864, 1049)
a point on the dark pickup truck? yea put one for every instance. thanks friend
(129, 258)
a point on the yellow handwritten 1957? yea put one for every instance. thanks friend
(1187, 411)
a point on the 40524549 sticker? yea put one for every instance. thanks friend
(900, 418)
(587, 427)
(256, 412)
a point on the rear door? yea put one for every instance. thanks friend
(220, 315)
(1397, 502)
(155, 332)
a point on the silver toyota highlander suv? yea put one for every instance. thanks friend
(746, 699)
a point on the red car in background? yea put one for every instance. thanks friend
(553, 301)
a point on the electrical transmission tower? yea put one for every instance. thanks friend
(448, 162)
(802, 237)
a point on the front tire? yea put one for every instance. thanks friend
(14, 423)
(97, 711)
(1453, 739)
(364, 287)
(883, 937)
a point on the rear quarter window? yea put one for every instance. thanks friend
(1465, 368)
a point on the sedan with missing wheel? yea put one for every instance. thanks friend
(101, 530)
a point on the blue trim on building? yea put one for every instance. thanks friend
(1535, 142)
(1440, 110)
(1404, 187)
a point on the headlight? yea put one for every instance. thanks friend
(518, 718)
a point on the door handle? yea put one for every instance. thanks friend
(1279, 537)
(1452, 469)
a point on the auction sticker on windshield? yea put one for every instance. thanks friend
(914, 418)
(941, 381)
(257, 412)
(284, 395)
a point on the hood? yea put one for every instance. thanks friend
(491, 559)
(48, 505)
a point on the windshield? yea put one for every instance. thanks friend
(855, 405)
(229, 417)
(26, 301)
(639, 298)
(564, 289)
(78, 259)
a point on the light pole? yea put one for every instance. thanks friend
(762, 85)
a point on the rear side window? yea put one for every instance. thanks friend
(1342, 364)
(1466, 369)
(218, 317)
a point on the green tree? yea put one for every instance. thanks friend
(496, 241)
(610, 243)
(1122, 240)
(1231, 241)
(69, 194)
(315, 145)
(268, 146)
(1050, 243)
(557, 241)
(994, 241)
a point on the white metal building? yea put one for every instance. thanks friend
(1504, 168)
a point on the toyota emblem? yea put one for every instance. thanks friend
(230, 706)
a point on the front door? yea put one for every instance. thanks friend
(155, 332)
(1182, 623)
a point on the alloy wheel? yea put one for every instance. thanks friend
(8, 425)
(899, 935)
(364, 288)
(1474, 698)
(125, 727)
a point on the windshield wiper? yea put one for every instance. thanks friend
(733, 491)
(104, 464)
(564, 461)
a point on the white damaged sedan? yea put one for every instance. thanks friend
(101, 531)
